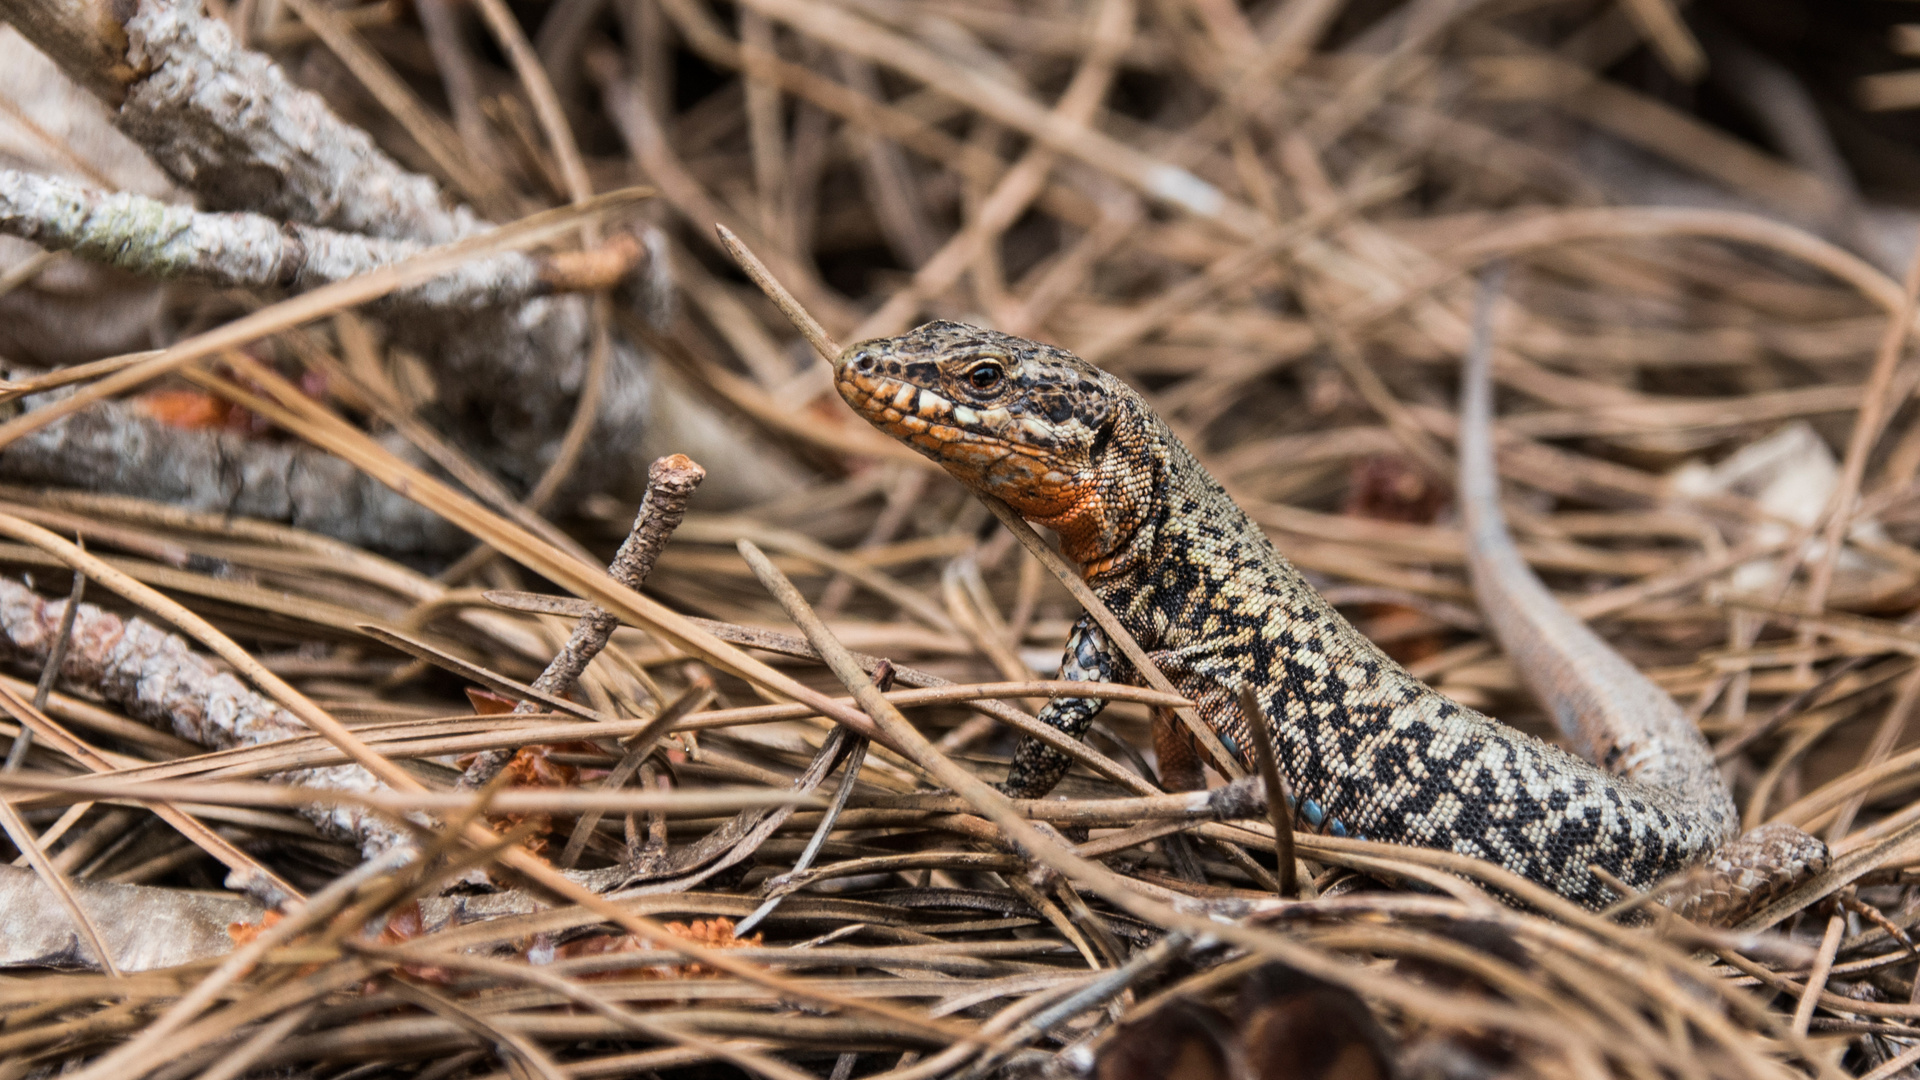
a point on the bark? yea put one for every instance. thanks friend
(159, 239)
(227, 124)
(116, 448)
(158, 679)
(146, 928)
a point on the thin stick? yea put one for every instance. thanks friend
(183, 1010)
(546, 104)
(242, 864)
(586, 412)
(1897, 1065)
(26, 271)
(1117, 633)
(700, 803)
(23, 742)
(1673, 43)
(639, 746)
(670, 484)
(1279, 803)
(58, 654)
(434, 135)
(265, 1038)
(324, 301)
(856, 756)
(573, 991)
(808, 326)
(1817, 978)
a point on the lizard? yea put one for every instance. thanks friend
(1366, 749)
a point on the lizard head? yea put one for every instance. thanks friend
(1030, 424)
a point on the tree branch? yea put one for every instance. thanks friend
(115, 447)
(228, 125)
(159, 239)
(157, 678)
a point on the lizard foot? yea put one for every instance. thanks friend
(1743, 875)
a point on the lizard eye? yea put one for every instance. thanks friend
(985, 377)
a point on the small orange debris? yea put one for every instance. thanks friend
(191, 409)
(530, 766)
(533, 766)
(406, 923)
(246, 933)
(714, 933)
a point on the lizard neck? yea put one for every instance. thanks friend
(1108, 524)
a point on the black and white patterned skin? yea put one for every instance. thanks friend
(1367, 749)
(1088, 658)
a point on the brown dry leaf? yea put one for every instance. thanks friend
(407, 922)
(533, 766)
(488, 703)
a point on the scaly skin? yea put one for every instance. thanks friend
(1367, 749)
(1604, 706)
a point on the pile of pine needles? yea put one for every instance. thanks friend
(706, 855)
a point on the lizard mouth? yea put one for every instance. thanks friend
(973, 445)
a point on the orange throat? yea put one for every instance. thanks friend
(1021, 476)
(1088, 534)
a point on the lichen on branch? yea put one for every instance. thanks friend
(164, 240)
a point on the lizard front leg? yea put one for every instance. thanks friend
(1088, 658)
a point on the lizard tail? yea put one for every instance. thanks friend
(1611, 713)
